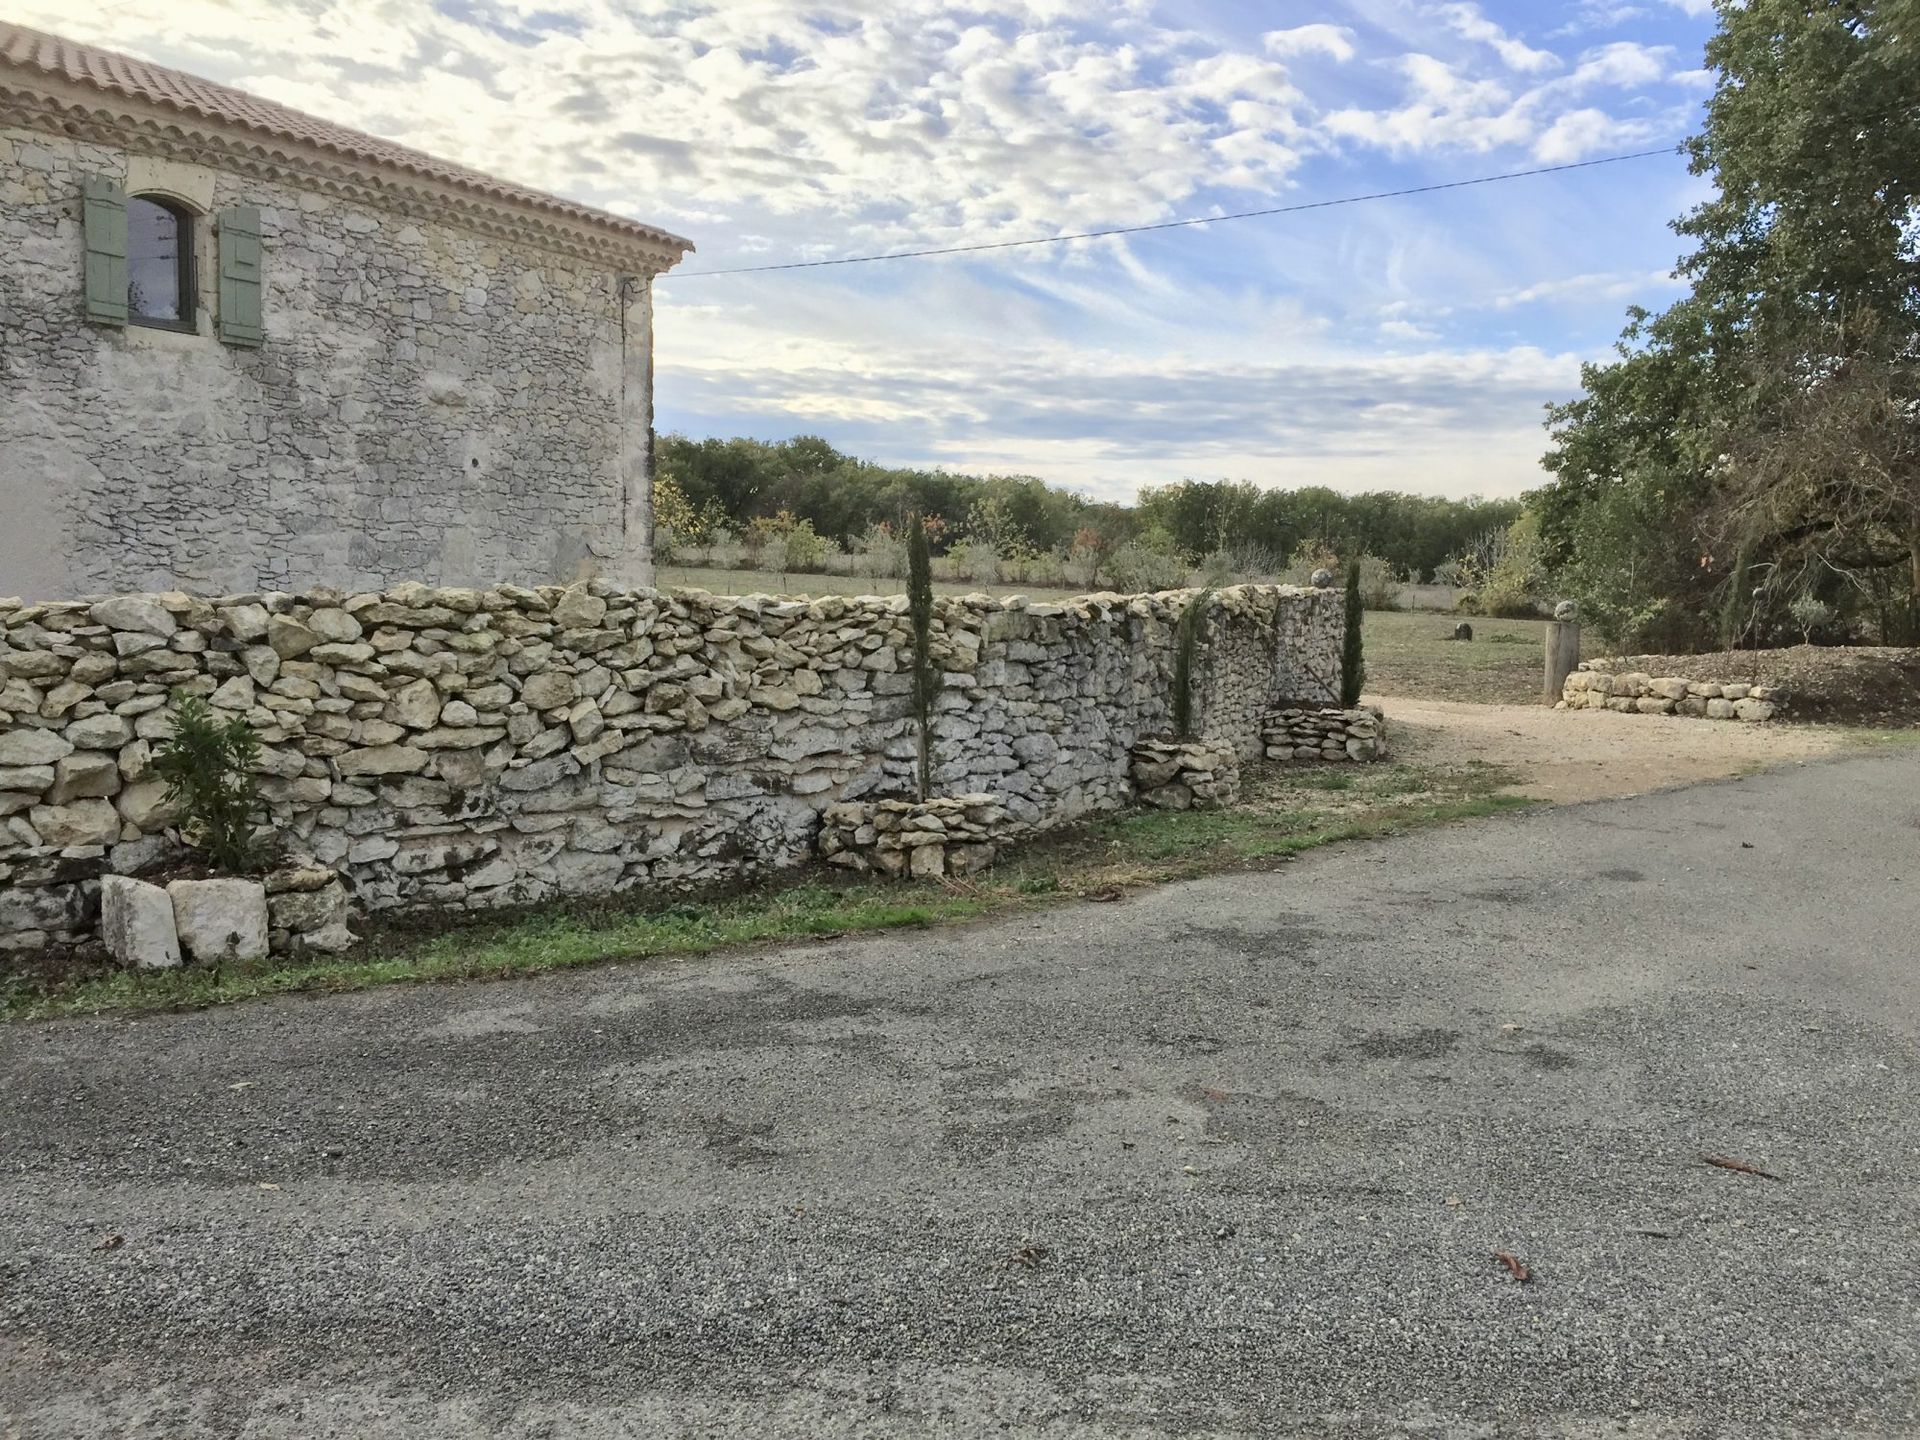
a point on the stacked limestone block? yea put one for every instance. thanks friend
(1186, 774)
(1637, 693)
(946, 835)
(479, 748)
(1326, 733)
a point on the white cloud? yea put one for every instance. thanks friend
(1335, 41)
(1622, 65)
(1580, 134)
(899, 121)
(1446, 105)
(1470, 24)
(1607, 286)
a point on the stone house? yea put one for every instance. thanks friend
(245, 349)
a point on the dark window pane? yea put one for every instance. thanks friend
(153, 261)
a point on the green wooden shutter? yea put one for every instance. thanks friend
(240, 311)
(104, 221)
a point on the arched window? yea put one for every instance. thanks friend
(159, 263)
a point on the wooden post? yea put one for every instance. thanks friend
(1563, 657)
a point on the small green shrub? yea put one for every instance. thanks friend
(1379, 586)
(802, 549)
(208, 763)
(1810, 613)
(1137, 569)
(885, 552)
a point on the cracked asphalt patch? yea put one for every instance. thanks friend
(1231, 1158)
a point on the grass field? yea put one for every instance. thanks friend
(1410, 653)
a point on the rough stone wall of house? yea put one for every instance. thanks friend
(495, 747)
(429, 404)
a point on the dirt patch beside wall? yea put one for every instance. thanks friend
(1597, 754)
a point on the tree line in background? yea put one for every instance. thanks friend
(801, 505)
(1747, 471)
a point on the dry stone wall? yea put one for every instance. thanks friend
(1595, 687)
(1326, 733)
(481, 748)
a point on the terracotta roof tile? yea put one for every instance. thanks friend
(107, 70)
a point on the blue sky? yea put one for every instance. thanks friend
(1407, 343)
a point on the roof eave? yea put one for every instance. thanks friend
(103, 114)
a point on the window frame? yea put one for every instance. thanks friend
(187, 264)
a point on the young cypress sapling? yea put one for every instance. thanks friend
(926, 680)
(1353, 665)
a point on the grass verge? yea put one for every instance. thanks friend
(1284, 811)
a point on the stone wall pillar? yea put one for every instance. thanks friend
(633, 564)
(1562, 657)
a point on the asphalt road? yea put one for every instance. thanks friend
(1232, 1158)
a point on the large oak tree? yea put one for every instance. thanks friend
(1756, 442)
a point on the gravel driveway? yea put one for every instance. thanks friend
(1597, 754)
(1234, 1158)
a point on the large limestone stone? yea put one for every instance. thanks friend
(136, 923)
(235, 694)
(336, 626)
(99, 732)
(87, 775)
(583, 873)
(245, 622)
(579, 609)
(220, 919)
(145, 805)
(302, 911)
(136, 760)
(329, 939)
(31, 747)
(28, 779)
(382, 760)
(136, 613)
(549, 690)
(85, 822)
(289, 638)
(456, 737)
(415, 705)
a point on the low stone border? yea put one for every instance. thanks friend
(154, 927)
(1186, 774)
(1326, 733)
(946, 835)
(1637, 693)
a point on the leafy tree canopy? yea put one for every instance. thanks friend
(1754, 443)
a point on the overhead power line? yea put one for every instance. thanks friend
(1174, 224)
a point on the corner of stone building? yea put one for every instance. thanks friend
(633, 564)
